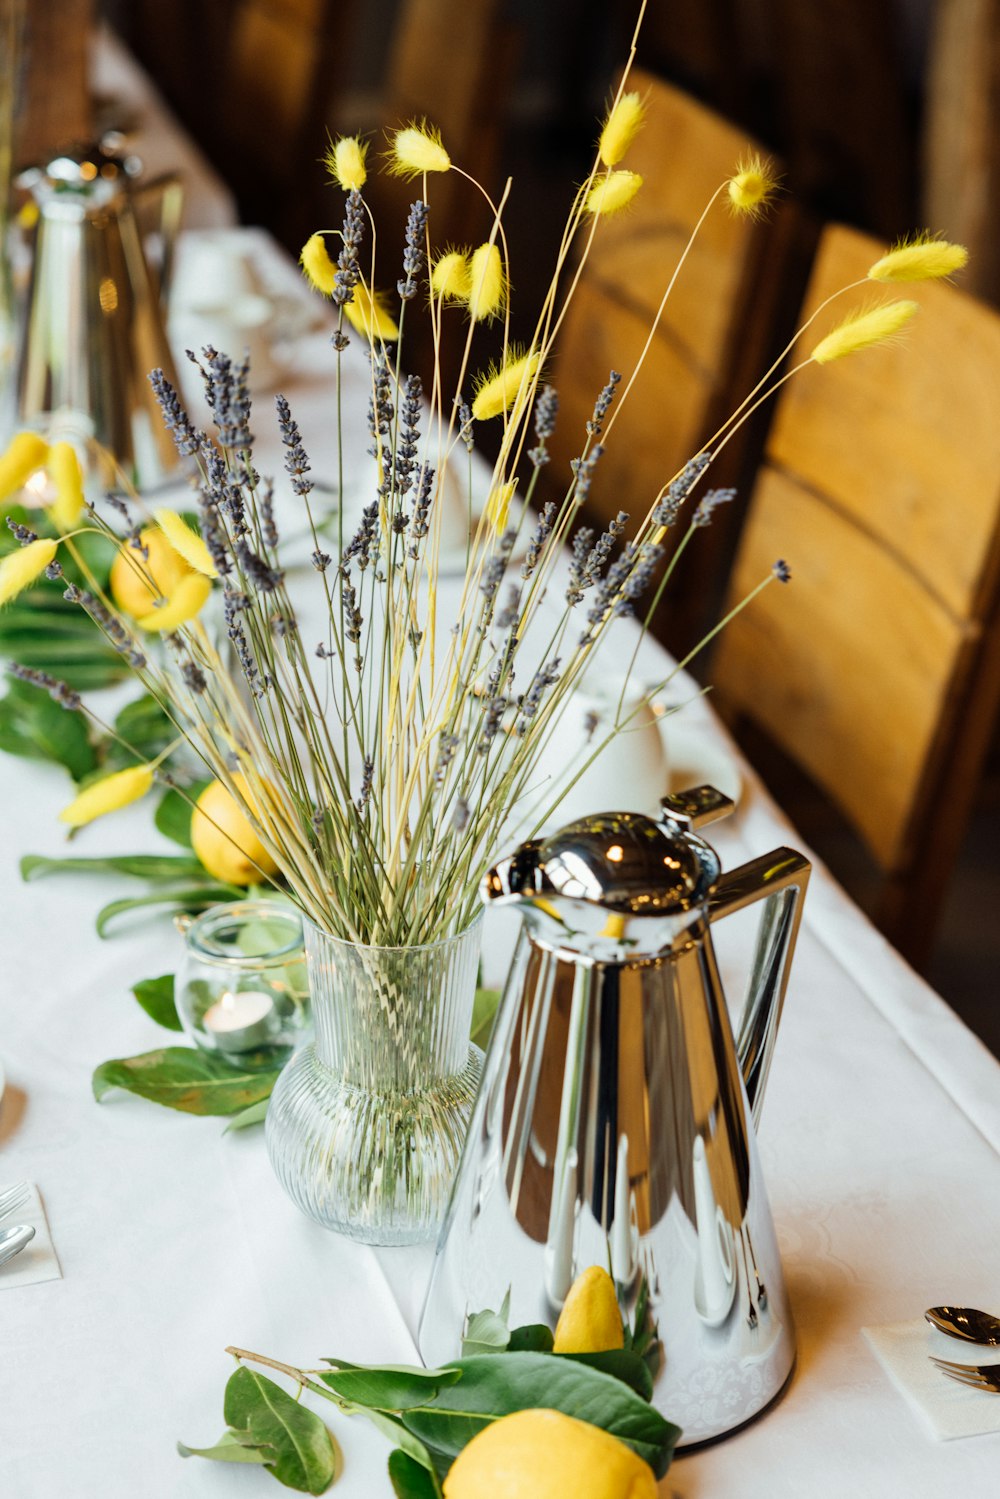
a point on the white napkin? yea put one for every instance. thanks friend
(37, 1261)
(949, 1409)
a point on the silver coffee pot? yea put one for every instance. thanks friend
(95, 323)
(615, 1121)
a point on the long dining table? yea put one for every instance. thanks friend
(880, 1139)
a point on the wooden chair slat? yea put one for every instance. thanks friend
(916, 431)
(854, 653)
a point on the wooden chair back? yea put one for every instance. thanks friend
(961, 134)
(710, 344)
(878, 670)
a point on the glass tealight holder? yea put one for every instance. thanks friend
(242, 989)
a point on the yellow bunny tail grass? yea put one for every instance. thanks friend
(497, 390)
(612, 193)
(450, 276)
(370, 315)
(418, 149)
(22, 567)
(67, 475)
(623, 123)
(187, 600)
(752, 185)
(108, 795)
(862, 328)
(186, 542)
(320, 270)
(487, 284)
(26, 452)
(498, 505)
(345, 161)
(923, 258)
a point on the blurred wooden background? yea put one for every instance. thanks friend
(885, 112)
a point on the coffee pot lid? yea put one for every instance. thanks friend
(629, 863)
(622, 862)
(94, 172)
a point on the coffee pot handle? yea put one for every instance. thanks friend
(779, 879)
(171, 193)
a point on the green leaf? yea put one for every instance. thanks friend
(230, 1448)
(255, 1114)
(392, 1428)
(484, 1012)
(74, 658)
(145, 726)
(184, 1078)
(33, 726)
(195, 898)
(20, 514)
(155, 867)
(492, 1387)
(306, 1456)
(621, 1363)
(410, 1479)
(173, 814)
(157, 999)
(487, 1332)
(386, 1387)
(643, 1336)
(97, 553)
(534, 1337)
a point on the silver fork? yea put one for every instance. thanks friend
(975, 1376)
(12, 1198)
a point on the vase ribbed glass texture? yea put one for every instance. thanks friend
(366, 1124)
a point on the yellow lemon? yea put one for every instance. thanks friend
(223, 839)
(129, 588)
(590, 1321)
(547, 1455)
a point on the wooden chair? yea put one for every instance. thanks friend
(878, 670)
(961, 144)
(39, 42)
(711, 344)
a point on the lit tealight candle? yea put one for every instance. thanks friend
(240, 1021)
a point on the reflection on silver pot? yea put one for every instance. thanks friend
(615, 1123)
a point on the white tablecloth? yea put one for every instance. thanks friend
(880, 1140)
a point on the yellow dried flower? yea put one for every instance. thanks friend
(920, 259)
(621, 127)
(862, 328)
(497, 391)
(487, 283)
(345, 161)
(109, 794)
(450, 276)
(320, 270)
(67, 475)
(416, 150)
(186, 542)
(22, 567)
(612, 193)
(187, 600)
(498, 505)
(752, 185)
(25, 453)
(370, 315)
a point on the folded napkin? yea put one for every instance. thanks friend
(949, 1409)
(37, 1261)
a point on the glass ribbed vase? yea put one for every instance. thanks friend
(366, 1124)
